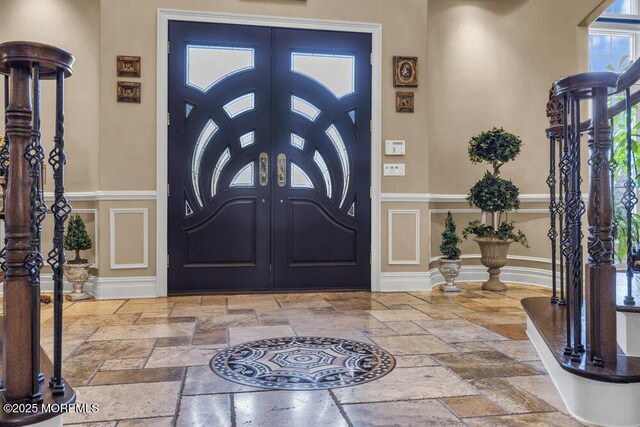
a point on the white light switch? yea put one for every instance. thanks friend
(394, 147)
(394, 169)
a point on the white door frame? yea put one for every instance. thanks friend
(166, 15)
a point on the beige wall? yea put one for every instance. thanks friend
(483, 63)
(492, 63)
(72, 25)
(127, 131)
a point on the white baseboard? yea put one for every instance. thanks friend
(425, 281)
(123, 287)
(146, 286)
(110, 287)
(405, 282)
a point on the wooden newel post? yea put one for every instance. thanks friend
(25, 64)
(17, 367)
(601, 272)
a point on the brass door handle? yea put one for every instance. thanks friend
(264, 169)
(282, 170)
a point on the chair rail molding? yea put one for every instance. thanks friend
(452, 198)
(94, 196)
(162, 37)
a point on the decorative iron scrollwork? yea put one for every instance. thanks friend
(555, 108)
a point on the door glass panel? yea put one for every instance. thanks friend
(247, 139)
(240, 105)
(244, 177)
(209, 65)
(324, 170)
(220, 164)
(352, 115)
(335, 72)
(203, 141)
(187, 209)
(341, 149)
(297, 141)
(187, 109)
(304, 108)
(299, 179)
(352, 210)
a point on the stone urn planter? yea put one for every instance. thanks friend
(78, 274)
(494, 257)
(449, 268)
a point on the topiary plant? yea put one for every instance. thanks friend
(450, 240)
(77, 239)
(494, 194)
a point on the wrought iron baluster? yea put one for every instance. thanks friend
(566, 171)
(629, 200)
(577, 212)
(61, 210)
(552, 234)
(33, 262)
(613, 166)
(560, 212)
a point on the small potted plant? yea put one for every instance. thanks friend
(450, 262)
(496, 197)
(78, 270)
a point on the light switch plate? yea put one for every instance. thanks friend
(394, 169)
(394, 147)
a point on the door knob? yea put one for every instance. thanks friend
(264, 169)
(282, 170)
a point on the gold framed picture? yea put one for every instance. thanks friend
(405, 71)
(404, 102)
(128, 66)
(128, 92)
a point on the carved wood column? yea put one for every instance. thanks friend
(601, 272)
(18, 312)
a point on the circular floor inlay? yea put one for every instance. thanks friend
(302, 363)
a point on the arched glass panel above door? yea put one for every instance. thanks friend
(209, 65)
(337, 73)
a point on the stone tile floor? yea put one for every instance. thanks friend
(462, 359)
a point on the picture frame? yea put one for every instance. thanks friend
(128, 92)
(128, 66)
(404, 102)
(405, 71)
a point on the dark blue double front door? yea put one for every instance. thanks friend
(269, 159)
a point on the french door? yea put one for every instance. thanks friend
(269, 159)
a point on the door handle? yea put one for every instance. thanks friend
(282, 170)
(264, 169)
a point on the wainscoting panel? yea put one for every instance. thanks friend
(125, 223)
(403, 234)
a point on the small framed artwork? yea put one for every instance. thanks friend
(405, 71)
(128, 92)
(404, 102)
(128, 66)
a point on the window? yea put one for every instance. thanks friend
(614, 44)
(614, 39)
(610, 50)
(623, 7)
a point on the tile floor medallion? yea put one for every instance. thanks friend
(302, 363)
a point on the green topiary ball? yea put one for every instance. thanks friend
(494, 194)
(495, 146)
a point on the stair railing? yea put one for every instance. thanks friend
(589, 293)
(24, 65)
